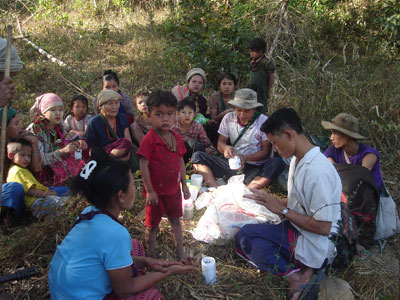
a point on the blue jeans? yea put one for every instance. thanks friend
(13, 196)
(270, 169)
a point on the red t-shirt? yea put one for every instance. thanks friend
(164, 165)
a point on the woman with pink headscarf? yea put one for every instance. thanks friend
(61, 157)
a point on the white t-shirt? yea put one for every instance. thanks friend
(251, 141)
(314, 189)
(71, 124)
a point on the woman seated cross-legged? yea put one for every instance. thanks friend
(98, 259)
(110, 129)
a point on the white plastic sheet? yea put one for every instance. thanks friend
(227, 211)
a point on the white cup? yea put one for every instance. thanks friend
(235, 163)
(187, 209)
(209, 269)
(196, 179)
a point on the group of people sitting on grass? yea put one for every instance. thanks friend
(98, 259)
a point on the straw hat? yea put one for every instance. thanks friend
(346, 124)
(245, 98)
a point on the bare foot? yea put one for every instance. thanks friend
(296, 280)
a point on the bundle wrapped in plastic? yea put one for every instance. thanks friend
(227, 211)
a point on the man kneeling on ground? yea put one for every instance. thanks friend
(300, 244)
(242, 129)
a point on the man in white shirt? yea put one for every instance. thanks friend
(299, 245)
(240, 135)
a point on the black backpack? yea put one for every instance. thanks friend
(346, 239)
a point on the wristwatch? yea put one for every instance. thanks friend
(285, 211)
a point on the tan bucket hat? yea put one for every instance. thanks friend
(107, 95)
(245, 98)
(346, 124)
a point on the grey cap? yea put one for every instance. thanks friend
(245, 98)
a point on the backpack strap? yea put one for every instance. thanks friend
(346, 157)
(252, 120)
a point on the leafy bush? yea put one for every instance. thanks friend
(213, 35)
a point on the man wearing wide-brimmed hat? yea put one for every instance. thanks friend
(346, 149)
(240, 135)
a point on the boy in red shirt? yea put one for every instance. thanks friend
(162, 167)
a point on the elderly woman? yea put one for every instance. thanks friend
(110, 129)
(346, 148)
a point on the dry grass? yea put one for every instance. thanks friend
(25, 245)
(130, 45)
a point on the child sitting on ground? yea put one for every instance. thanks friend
(163, 170)
(196, 80)
(76, 122)
(20, 153)
(142, 122)
(218, 102)
(192, 132)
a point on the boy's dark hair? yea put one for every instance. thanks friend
(188, 101)
(109, 75)
(229, 76)
(143, 93)
(109, 176)
(281, 119)
(15, 146)
(79, 97)
(158, 98)
(257, 44)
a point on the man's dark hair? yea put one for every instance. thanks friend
(188, 101)
(158, 98)
(282, 119)
(257, 44)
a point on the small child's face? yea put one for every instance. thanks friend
(54, 115)
(227, 86)
(195, 84)
(111, 85)
(255, 54)
(141, 104)
(79, 109)
(23, 157)
(163, 117)
(186, 115)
